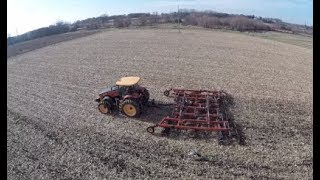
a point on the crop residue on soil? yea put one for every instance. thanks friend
(56, 132)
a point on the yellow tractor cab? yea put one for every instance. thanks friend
(128, 81)
(127, 95)
(128, 84)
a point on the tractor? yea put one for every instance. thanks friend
(126, 95)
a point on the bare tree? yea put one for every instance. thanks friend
(143, 20)
(122, 22)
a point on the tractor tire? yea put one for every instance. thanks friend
(145, 96)
(130, 108)
(104, 107)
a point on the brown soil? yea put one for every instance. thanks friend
(55, 130)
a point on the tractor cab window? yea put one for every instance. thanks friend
(114, 88)
(122, 90)
(130, 88)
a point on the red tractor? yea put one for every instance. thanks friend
(127, 95)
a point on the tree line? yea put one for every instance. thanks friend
(206, 19)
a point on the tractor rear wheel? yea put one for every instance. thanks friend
(104, 107)
(130, 108)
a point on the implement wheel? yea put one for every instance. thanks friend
(104, 107)
(166, 92)
(151, 129)
(130, 108)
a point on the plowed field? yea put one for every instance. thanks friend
(56, 132)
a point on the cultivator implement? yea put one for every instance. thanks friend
(197, 110)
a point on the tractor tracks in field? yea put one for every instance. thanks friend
(45, 128)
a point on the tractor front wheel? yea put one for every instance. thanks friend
(104, 107)
(130, 108)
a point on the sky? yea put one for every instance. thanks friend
(27, 15)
